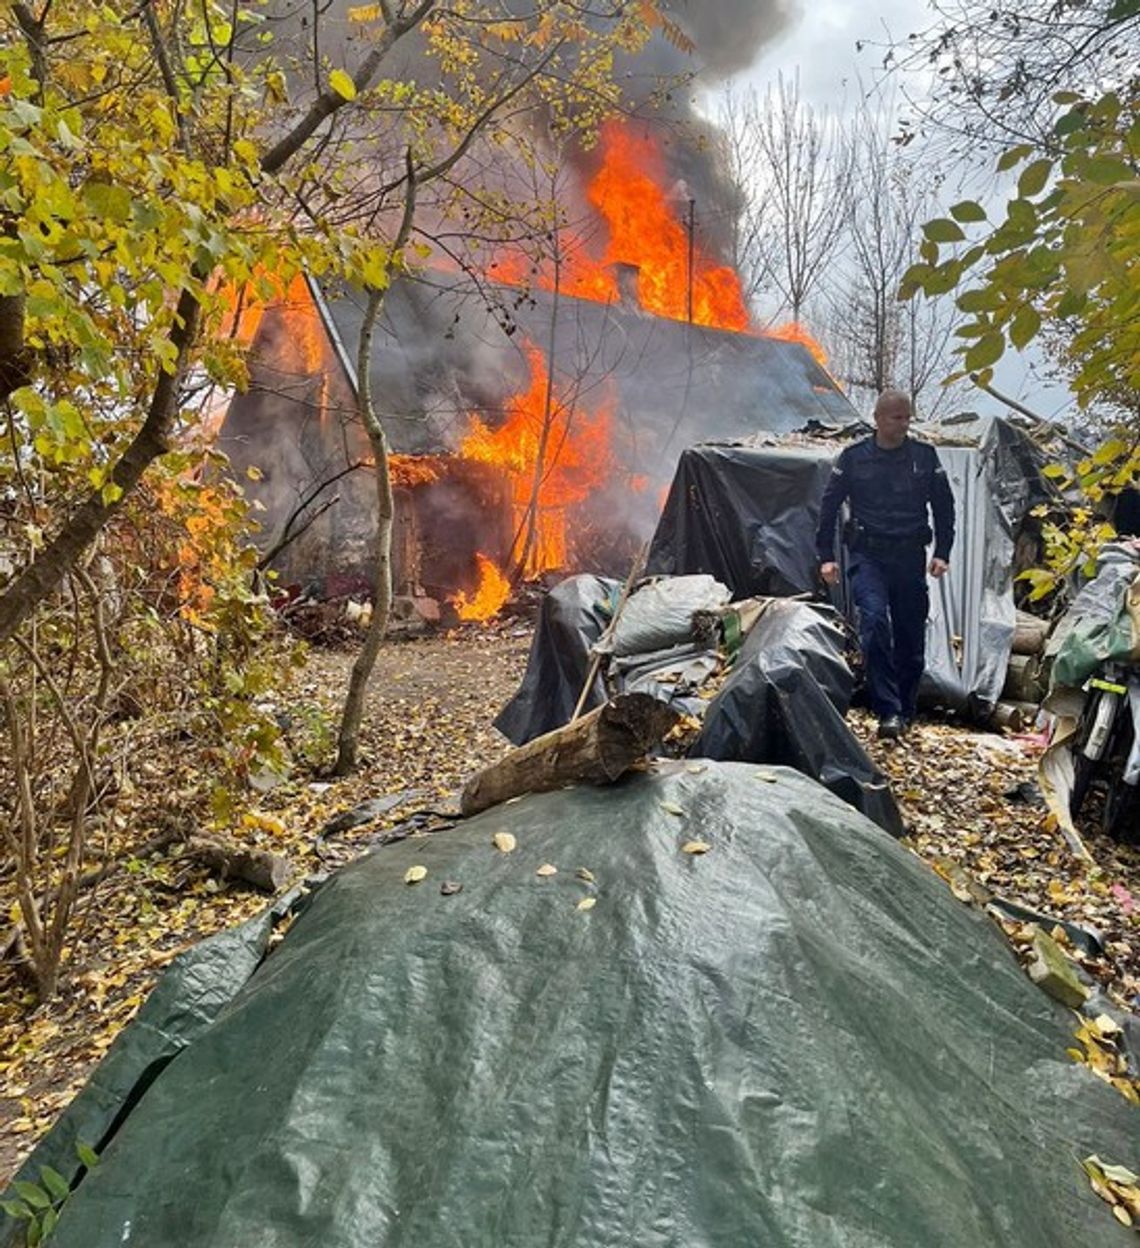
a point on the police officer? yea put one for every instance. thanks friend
(889, 481)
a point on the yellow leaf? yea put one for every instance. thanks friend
(413, 875)
(587, 903)
(547, 869)
(584, 873)
(342, 84)
(504, 842)
(695, 847)
(767, 777)
(672, 808)
(364, 13)
(1122, 1215)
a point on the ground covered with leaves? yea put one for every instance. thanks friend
(968, 798)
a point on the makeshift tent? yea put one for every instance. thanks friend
(747, 513)
(784, 701)
(797, 1038)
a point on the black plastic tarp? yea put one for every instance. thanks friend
(571, 618)
(798, 1038)
(747, 515)
(784, 703)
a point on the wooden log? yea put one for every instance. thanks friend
(596, 748)
(1029, 634)
(258, 867)
(1012, 716)
(1023, 679)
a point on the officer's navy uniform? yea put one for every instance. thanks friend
(889, 492)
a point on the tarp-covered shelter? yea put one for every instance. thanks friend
(797, 1038)
(447, 351)
(747, 513)
(783, 700)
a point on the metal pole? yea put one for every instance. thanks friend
(691, 230)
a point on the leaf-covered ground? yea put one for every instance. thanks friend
(967, 798)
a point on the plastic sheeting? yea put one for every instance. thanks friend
(1103, 624)
(799, 1038)
(189, 997)
(660, 614)
(572, 617)
(747, 514)
(784, 703)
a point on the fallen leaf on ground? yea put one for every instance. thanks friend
(413, 875)
(504, 842)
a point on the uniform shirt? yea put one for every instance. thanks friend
(889, 492)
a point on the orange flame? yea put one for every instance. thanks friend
(406, 471)
(794, 331)
(575, 459)
(645, 233)
(494, 589)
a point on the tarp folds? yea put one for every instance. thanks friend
(799, 1038)
(572, 617)
(747, 515)
(189, 997)
(1103, 624)
(784, 702)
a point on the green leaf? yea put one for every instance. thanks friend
(1070, 303)
(1033, 178)
(33, 1194)
(1054, 471)
(943, 230)
(112, 203)
(1104, 170)
(86, 1154)
(342, 84)
(48, 1223)
(986, 351)
(15, 1209)
(55, 1183)
(968, 210)
(1014, 156)
(1026, 323)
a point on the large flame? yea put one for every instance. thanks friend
(494, 590)
(544, 436)
(648, 234)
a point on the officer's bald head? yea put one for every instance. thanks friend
(892, 418)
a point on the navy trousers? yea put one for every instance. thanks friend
(892, 601)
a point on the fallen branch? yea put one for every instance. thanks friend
(258, 867)
(596, 749)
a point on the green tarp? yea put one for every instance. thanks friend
(797, 1038)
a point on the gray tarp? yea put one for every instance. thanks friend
(797, 1039)
(747, 514)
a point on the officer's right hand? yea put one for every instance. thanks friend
(830, 573)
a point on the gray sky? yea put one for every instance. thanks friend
(821, 46)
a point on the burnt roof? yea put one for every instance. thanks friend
(446, 346)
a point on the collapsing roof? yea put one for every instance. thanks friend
(446, 347)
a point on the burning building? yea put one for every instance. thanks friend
(535, 415)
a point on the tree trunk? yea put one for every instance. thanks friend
(596, 749)
(348, 737)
